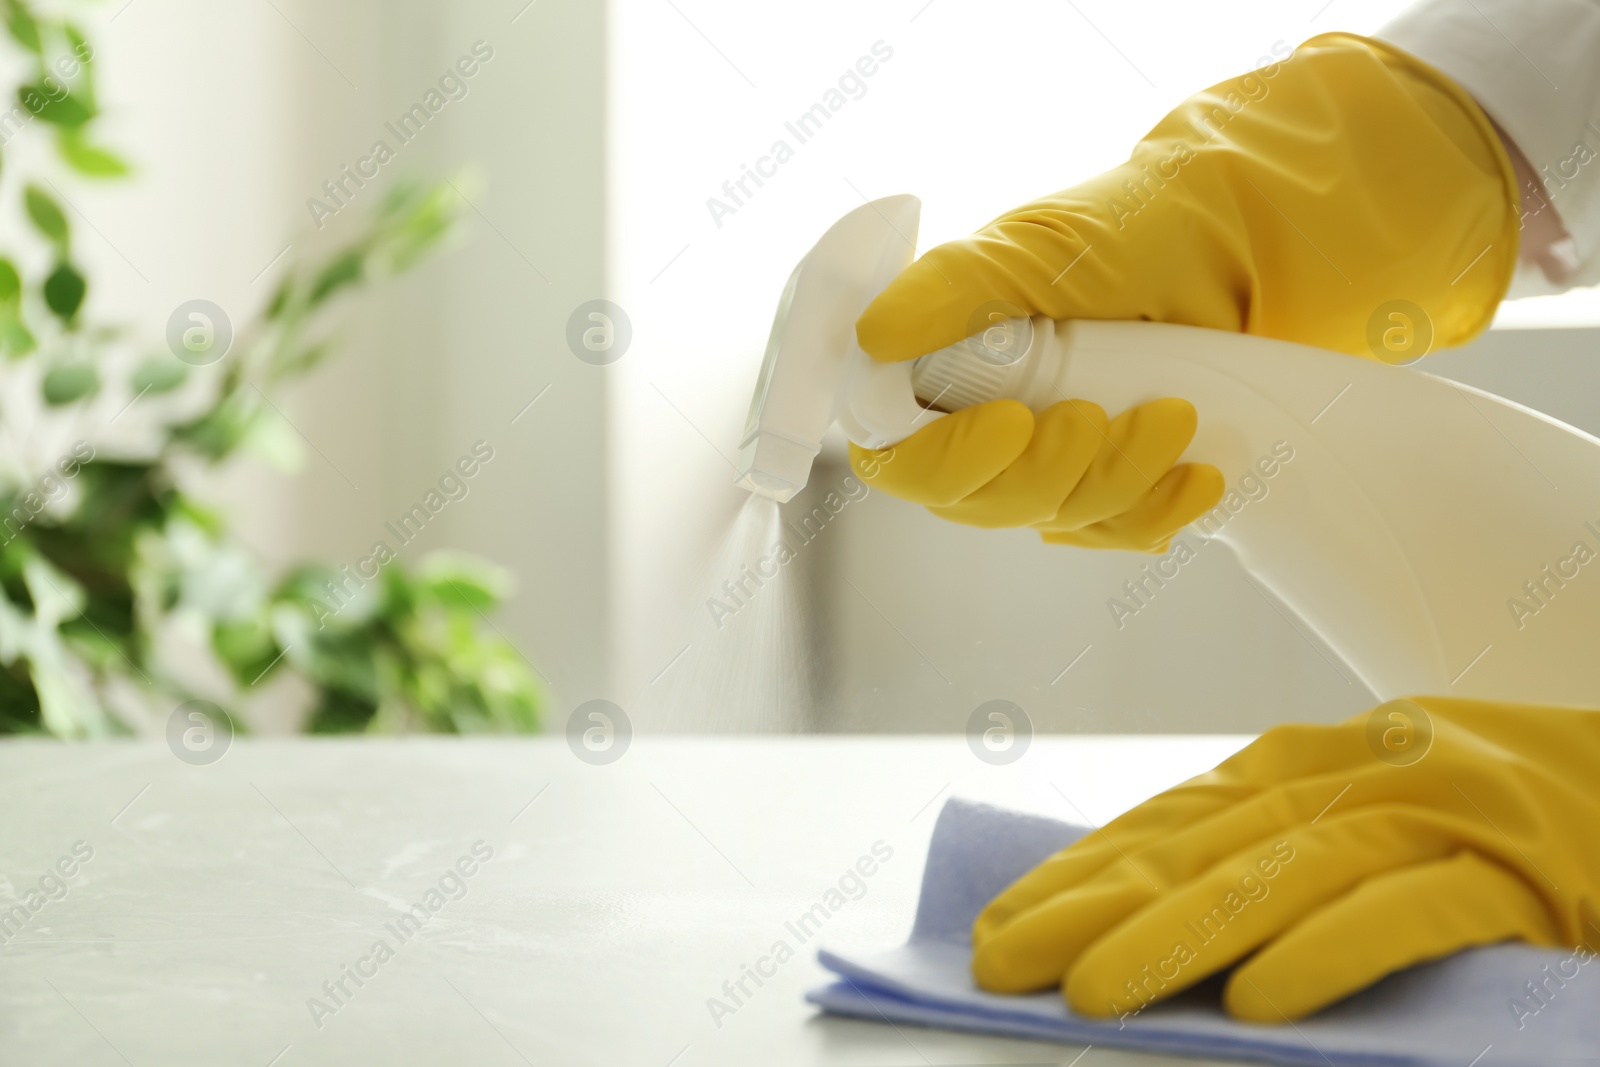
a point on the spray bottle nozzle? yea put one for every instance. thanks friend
(775, 466)
(812, 359)
(814, 374)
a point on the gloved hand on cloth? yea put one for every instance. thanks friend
(1292, 202)
(1319, 859)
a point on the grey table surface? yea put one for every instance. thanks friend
(181, 914)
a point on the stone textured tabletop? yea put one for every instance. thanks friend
(438, 901)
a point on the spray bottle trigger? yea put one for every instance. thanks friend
(880, 406)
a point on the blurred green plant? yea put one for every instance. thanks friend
(105, 556)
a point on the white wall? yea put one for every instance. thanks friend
(476, 336)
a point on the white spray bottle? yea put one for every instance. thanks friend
(1440, 539)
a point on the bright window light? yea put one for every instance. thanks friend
(1580, 307)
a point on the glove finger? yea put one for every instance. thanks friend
(1065, 438)
(1150, 822)
(951, 457)
(1286, 776)
(1207, 923)
(1183, 494)
(1033, 951)
(1066, 869)
(1140, 446)
(1027, 937)
(1388, 922)
(1012, 264)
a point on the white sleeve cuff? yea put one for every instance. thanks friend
(1534, 66)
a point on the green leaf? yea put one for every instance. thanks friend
(219, 431)
(56, 596)
(293, 364)
(340, 713)
(464, 582)
(94, 645)
(399, 598)
(280, 299)
(161, 374)
(13, 333)
(58, 108)
(46, 214)
(433, 217)
(464, 593)
(246, 646)
(16, 337)
(70, 382)
(347, 269)
(64, 291)
(23, 30)
(83, 52)
(270, 438)
(86, 159)
(344, 661)
(80, 44)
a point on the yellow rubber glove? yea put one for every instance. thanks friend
(1067, 471)
(1303, 201)
(1324, 857)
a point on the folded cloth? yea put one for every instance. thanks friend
(1489, 1007)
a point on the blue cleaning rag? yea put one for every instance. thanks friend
(1474, 1009)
